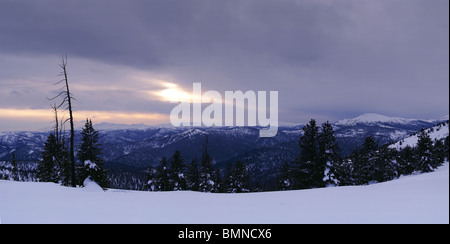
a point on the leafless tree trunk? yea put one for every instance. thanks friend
(67, 100)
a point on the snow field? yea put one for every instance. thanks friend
(420, 198)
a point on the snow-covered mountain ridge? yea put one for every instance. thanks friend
(370, 118)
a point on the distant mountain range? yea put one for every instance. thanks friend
(136, 147)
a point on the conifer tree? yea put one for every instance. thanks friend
(207, 181)
(309, 172)
(406, 161)
(162, 176)
(219, 182)
(47, 170)
(89, 152)
(177, 175)
(193, 175)
(426, 161)
(328, 155)
(364, 162)
(385, 168)
(344, 172)
(15, 173)
(240, 178)
(285, 181)
(151, 179)
(446, 147)
(439, 152)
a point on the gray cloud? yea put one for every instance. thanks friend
(329, 59)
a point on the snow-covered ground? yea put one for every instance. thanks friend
(438, 132)
(420, 198)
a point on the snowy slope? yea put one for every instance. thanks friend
(374, 118)
(437, 132)
(413, 199)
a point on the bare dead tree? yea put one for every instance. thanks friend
(56, 129)
(67, 102)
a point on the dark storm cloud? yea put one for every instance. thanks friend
(329, 58)
(147, 33)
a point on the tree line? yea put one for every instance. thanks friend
(176, 175)
(55, 164)
(319, 163)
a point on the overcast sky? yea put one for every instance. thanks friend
(328, 59)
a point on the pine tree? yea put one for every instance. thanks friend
(328, 158)
(364, 162)
(65, 169)
(406, 161)
(151, 179)
(219, 182)
(162, 176)
(344, 172)
(229, 178)
(446, 147)
(89, 152)
(309, 172)
(285, 181)
(385, 166)
(193, 175)
(309, 142)
(439, 152)
(207, 181)
(426, 160)
(47, 170)
(240, 178)
(15, 173)
(177, 174)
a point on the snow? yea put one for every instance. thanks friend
(90, 164)
(437, 132)
(373, 118)
(420, 198)
(91, 186)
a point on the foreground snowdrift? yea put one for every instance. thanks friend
(413, 199)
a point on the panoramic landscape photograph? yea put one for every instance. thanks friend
(224, 112)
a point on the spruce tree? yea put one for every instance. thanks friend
(446, 147)
(89, 152)
(439, 152)
(193, 175)
(385, 166)
(406, 161)
(285, 181)
(65, 169)
(364, 162)
(309, 172)
(228, 180)
(426, 161)
(47, 170)
(207, 181)
(344, 172)
(177, 173)
(15, 171)
(240, 178)
(328, 158)
(151, 179)
(219, 182)
(162, 176)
